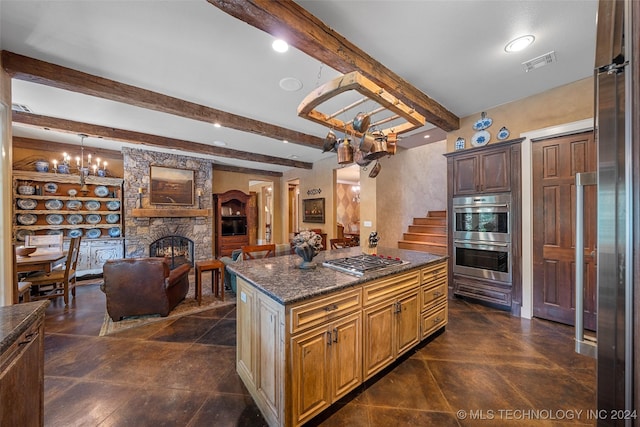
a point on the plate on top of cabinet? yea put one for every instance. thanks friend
(480, 138)
(114, 232)
(92, 205)
(94, 233)
(113, 218)
(54, 219)
(54, 232)
(74, 205)
(74, 219)
(113, 205)
(76, 232)
(101, 191)
(53, 204)
(50, 187)
(27, 219)
(27, 204)
(21, 234)
(93, 218)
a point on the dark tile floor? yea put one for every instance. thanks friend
(487, 368)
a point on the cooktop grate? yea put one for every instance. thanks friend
(360, 264)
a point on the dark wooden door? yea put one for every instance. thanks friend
(555, 164)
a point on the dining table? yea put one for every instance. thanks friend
(44, 261)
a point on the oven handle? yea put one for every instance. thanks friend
(488, 205)
(481, 243)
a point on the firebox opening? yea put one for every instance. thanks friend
(178, 249)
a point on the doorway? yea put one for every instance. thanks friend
(293, 199)
(263, 193)
(555, 162)
(347, 202)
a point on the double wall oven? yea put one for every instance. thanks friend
(482, 236)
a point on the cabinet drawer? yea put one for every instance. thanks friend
(434, 293)
(324, 309)
(434, 272)
(389, 288)
(433, 320)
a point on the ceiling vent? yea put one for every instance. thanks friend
(540, 61)
(21, 107)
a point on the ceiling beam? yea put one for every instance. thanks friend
(228, 168)
(70, 126)
(57, 147)
(35, 71)
(291, 22)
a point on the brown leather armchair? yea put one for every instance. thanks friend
(137, 286)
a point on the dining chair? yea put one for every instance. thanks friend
(58, 282)
(20, 289)
(258, 251)
(338, 243)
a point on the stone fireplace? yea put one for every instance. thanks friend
(142, 232)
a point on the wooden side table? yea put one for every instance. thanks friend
(217, 278)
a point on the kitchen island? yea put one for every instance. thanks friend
(305, 338)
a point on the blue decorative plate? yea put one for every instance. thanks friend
(54, 219)
(27, 219)
(113, 218)
(480, 138)
(74, 219)
(483, 123)
(54, 232)
(51, 187)
(114, 232)
(93, 218)
(503, 133)
(53, 205)
(92, 205)
(113, 205)
(21, 234)
(93, 233)
(76, 232)
(74, 205)
(72, 192)
(27, 204)
(101, 191)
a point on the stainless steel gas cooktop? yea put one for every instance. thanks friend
(360, 264)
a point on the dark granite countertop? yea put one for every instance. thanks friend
(16, 319)
(282, 280)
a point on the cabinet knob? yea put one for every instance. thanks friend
(331, 307)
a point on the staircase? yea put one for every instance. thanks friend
(427, 234)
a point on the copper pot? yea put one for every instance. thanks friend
(345, 152)
(358, 157)
(361, 122)
(379, 148)
(392, 143)
(375, 170)
(329, 142)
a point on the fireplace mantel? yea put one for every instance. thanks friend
(170, 213)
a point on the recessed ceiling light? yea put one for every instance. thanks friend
(520, 43)
(217, 125)
(427, 136)
(293, 156)
(284, 141)
(219, 143)
(290, 84)
(280, 45)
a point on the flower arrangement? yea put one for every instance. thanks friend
(307, 244)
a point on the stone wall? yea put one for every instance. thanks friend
(140, 232)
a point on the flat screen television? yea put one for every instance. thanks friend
(234, 226)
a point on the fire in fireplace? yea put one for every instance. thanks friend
(178, 249)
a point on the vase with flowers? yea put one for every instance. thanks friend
(306, 245)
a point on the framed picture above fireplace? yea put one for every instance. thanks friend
(171, 186)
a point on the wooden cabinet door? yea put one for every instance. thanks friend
(495, 171)
(346, 355)
(311, 382)
(379, 337)
(269, 357)
(408, 322)
(465, 173)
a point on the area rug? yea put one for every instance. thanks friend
(187, 307)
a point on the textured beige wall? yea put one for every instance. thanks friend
(410, 184)
(347, 210)
(564, 104)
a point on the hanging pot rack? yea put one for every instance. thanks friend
(371, 91)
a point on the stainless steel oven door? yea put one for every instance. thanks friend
(482, 218)
(486, 260)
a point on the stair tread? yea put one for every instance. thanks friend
(422, 243)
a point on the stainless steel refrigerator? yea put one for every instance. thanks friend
(615, 179)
